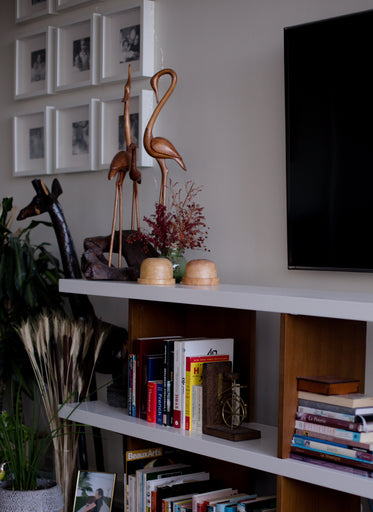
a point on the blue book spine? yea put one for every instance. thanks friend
(134, 371)
(160, 403)
(130, 384)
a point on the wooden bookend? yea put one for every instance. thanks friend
(214, 384)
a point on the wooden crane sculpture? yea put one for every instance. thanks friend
(124, 161)
(159, 147)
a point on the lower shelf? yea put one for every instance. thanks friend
(260, 454)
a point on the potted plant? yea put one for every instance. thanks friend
(28, 282)
(23, 447)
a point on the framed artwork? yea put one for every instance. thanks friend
(33, 143)
(112, 136)
(65, 4)
(77, 47)
(127, 36)
(76, 138)
(30, 9)
(34, 65)
(94, 491)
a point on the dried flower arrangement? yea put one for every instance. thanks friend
(181, 224)
(63, 354)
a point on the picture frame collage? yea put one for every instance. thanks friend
(83, 53)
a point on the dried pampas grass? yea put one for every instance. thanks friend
(63, 354)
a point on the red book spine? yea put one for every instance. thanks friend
(152, 402)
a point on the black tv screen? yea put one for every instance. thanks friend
(329, 143)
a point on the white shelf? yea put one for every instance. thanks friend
(350, 306)
(259, 454)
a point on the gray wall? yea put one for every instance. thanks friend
(226, 117)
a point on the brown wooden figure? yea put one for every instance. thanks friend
(158, 147)
(123, 162)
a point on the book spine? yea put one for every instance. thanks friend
(159, 420)
(197, 399)
(330, 422)
(134, 390)
(333, 439)
(330, 407)
(168, 369)
(332, 457)
(130, 384)
(329, 414)
(152, 403)
(334, 449)
(329, 464)
(331, 431)
(177, 384)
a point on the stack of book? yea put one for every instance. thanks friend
(332, 429)
(165, 378)
(154, 486)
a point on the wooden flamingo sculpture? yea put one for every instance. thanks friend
(123, 162)
(158, 147)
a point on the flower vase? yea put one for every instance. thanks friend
(177, 258)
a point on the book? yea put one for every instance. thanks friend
(260, 503)
(361, 425)
(364, 437)
(142, 346)
(160, 403)
(192, 487)
(335, 408)
(313, 443)
(153, 388)
(225, 505)
(329, 464)
(327, 413)
(151, 473)
(137, 459)
(325, 437)
(328, 385)
(168, 381)
(131, 366)
(193, 377)
(197, 407)
(349, 400)
(204, 497)
(152, 370)
(339, 459)
(177, 490)
(193, 347)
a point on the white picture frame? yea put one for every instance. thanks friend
(31, 9)
(112, 138)
(127, 37)
(77, 53)
(34, 64)
(33, 143)
(76, 138)
(66, 4)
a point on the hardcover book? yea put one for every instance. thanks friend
(193, 347)
(363, 437)
(328, 385)
(193, 377)
(348, 400)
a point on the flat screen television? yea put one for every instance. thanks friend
(329, 143)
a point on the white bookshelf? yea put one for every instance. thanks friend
(260, 454)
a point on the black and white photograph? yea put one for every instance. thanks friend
(81, 54)
(80, 137)
(38, 65)
(94, 492)
(36, 136)
(134, 125)
(130, 43)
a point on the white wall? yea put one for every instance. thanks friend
(226, 117)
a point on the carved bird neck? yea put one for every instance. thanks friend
(160, 104)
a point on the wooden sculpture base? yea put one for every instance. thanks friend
(215, 383)
(95, 265)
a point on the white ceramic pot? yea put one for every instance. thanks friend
(42, 500)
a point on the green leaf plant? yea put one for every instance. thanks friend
(29, 277)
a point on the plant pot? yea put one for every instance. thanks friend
(47, 499)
